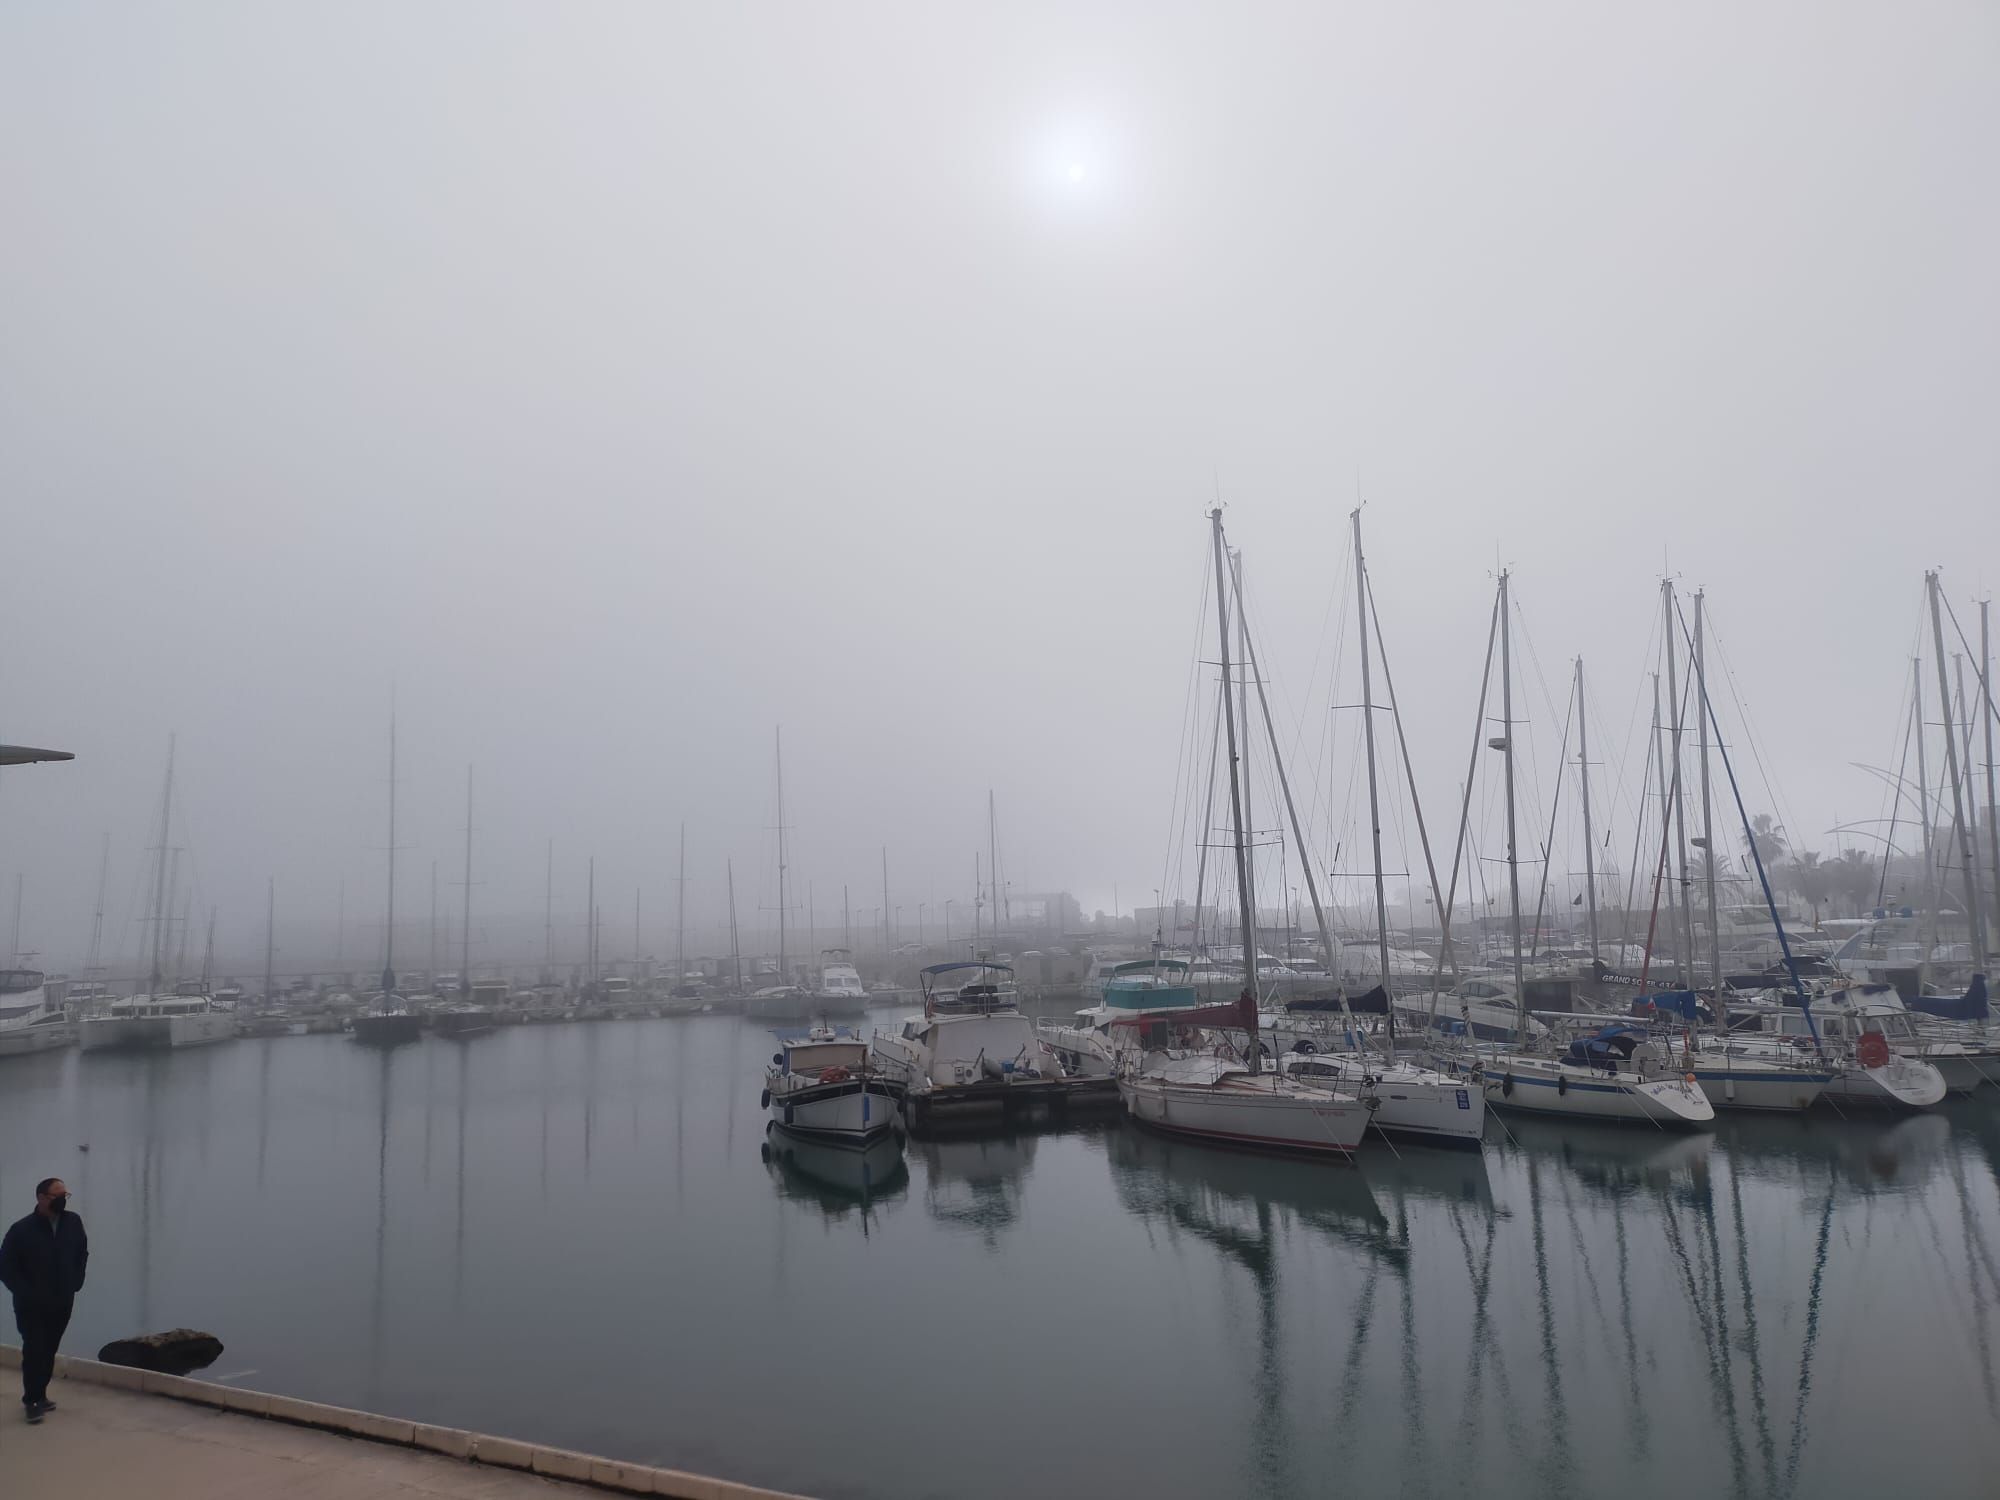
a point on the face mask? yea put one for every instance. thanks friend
(58, 1203)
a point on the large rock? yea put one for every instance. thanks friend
(175, 1352)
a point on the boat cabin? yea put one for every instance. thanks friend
(816, 1052)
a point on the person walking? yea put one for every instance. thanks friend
(42, 1261)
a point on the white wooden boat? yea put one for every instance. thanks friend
(822, 1083)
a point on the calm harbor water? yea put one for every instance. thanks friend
(573, 1234)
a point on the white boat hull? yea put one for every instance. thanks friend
(1549, 1087)
(1411, 1103)
(1902, 1083)
(856, 1114)
(45, 1036)
(196, 1029)
(1742, 1083)
(1247, 1115)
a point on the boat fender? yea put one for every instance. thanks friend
(1507, 1084)
(764, 1101)
(1690, 1080)
(1562, 1084)
(777, 1059)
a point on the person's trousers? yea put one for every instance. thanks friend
(41, 1323)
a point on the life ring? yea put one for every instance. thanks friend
(1872, 1051)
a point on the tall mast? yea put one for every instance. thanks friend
(1513, 857)
(1986, 692)
(1975, 906)
(465, 936)
(549, 911)
(590, 928)
(1707, 819)
(993, 865)
(846, 920)
(784, 975)
(432, 974)
(978, 902)
(389, 933)
(1243, 724)
(1368, 735)
(270, 938)
(1685, 938)
(208, 953)
(680, 911)
(1666, 803)
(1236, 796)
(888, 935)
(735, 948)
(160, 900)
(92, 961)
(1927, 924)
(1589, 837)
(638, 941)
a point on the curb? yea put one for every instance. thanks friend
(449, 1442)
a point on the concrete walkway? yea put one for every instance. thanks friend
(104, 1442)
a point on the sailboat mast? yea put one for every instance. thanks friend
(590, 928)
(1589, 836)
(735, 947)
(389, 934)
(1986, 692)
(465, 936)
(888, 936)
(1368, 736)
(1927, 926)
(1975, 906)
(784, 976)
(549, 910)
(1243, 724)
(1685, 938)
(160, 898)
(1236, 797)
(681, 911)
(208, 953)
(978, 902)
(270, 938)
(92, 963)
(1707, 816)
(430, 976)
(993, 865)
(1507, 747)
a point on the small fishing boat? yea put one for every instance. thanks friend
(823, 1083)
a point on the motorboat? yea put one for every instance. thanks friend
(839, 991)
(971, 1050)
(28, 1023)
(1618, 1072)
(1178, 1071)
(185, 1018)
(1085, 1044)
(823, 1083)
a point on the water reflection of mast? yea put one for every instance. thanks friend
(458, 1230)
(1559, 1465)
(381, 1221)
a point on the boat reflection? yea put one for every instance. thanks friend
(840, 1181)
(976, 1181)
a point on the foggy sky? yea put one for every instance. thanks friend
(612, 383)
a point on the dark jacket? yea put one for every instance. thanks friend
(43, 1264)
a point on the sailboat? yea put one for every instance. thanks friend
(391, 1022)
(1180, 1070)
(1619, 1071)
(184, 1016)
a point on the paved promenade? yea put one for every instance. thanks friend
(119, 1432)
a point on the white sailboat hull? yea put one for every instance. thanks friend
(1546, 1086)
(1411, 1103)
(193, 1030)
(1902, 1083)
(44, 1036)
(1248, 1115)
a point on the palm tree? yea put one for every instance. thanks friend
(1766, 839)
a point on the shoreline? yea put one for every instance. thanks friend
(471, 1449)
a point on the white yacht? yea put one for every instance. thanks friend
(971, 1051)
(839, 991)
(822, 1083)
(1085, 1045)
(186, 1018)
(1480, 1006)
(1867, 1032)
(28, 1023)
(1178, 1071)
(1618, 1072)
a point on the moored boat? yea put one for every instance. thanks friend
(823, 1083)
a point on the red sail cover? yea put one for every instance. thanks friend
(1238, 1015)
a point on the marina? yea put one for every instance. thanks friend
(1450, 1320)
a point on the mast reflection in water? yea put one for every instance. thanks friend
(575, 1235)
